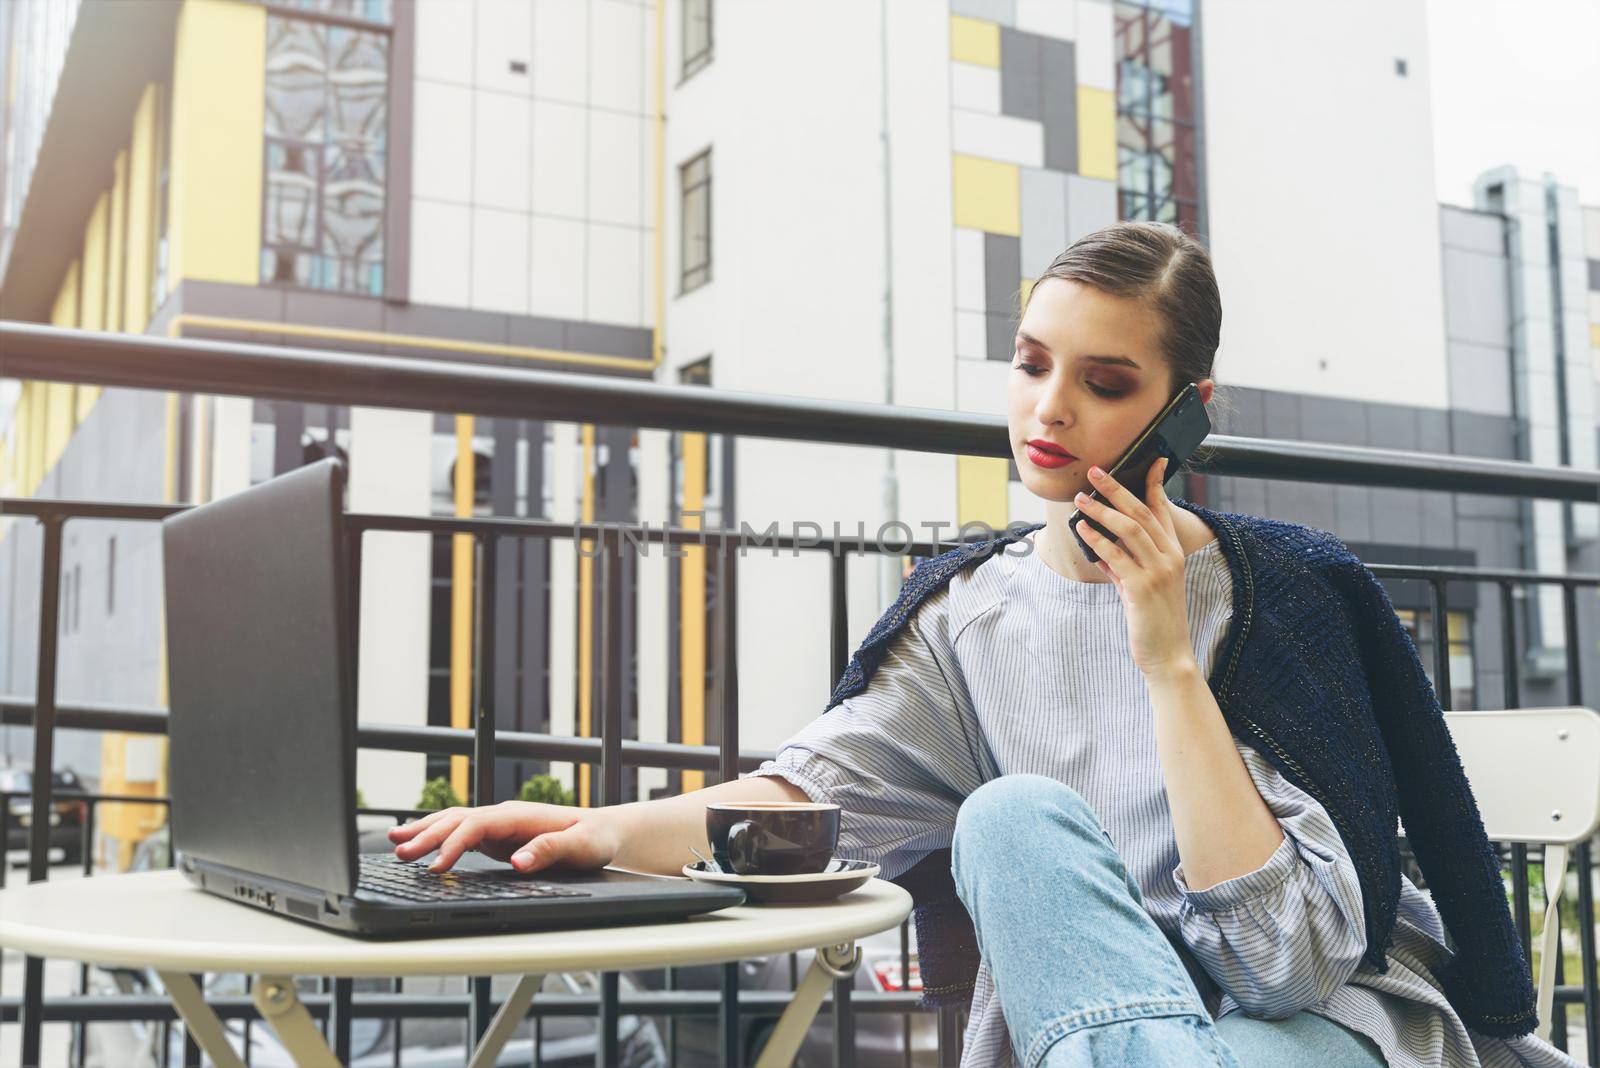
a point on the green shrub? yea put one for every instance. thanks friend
(546, 789)
(361, 799)
(437, 794)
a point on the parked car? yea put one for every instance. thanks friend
(67, 810)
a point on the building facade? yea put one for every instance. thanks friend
(837, 202)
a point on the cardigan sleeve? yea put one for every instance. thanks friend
(898, 757)
(1487, 978)
(1285, 936)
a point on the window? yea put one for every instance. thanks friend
(326, 139)
(695, 220)
(696, 35)
(1157, 145)
(1419, 625)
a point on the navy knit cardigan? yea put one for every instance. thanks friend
(1318, 676)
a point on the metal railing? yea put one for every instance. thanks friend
(267, 372)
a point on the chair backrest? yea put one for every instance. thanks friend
(1535, 772)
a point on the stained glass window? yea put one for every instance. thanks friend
(326, 143)
(1157, 148)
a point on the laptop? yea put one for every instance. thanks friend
(262, 734)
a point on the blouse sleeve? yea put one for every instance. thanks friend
(1283, 937)
(899, 757)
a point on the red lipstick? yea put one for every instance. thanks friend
(1048, 454)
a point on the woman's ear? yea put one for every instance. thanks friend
(1205, 386)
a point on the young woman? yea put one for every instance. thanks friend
(1145, 887)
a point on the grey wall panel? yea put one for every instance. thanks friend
(1480, 377)
(1001, 11)
(1044, 219)
(1058, 103)
(1391, 426)
(1476, 297)
(1020, 86)
(1333, 419)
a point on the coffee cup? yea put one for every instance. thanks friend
(772, 837)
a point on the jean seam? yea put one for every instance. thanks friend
(1061, 1026)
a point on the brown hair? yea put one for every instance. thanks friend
(1170, 272)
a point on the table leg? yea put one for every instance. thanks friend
(203, 1024)
(830, 963)
(505, 1022)
(275, 996)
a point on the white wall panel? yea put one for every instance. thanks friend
(616, 55)
(613, 275)
(557, 271)
(561, 50)
(442, 147)
(504, 36)
(500, 150)
(441, 256)
(616, 168)
(499, 261)
(560, 159)
(443, 43)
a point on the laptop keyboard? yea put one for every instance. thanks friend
(384, 873)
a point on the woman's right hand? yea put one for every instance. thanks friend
(531, 836)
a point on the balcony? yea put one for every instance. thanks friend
(324, 377)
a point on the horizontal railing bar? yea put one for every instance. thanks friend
(415, 739)
(43, 507)
(60, 797)
(324, 376)
(100, 1008)
(644, 532)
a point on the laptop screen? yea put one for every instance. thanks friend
(262, 725)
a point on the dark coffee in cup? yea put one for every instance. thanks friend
(772, 837)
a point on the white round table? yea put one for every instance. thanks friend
(159, 920)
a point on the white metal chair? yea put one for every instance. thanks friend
(1535, 773)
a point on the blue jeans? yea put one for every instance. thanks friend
(1083, 973)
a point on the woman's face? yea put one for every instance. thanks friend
(1086, 377)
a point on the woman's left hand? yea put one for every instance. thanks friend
(1146, 563)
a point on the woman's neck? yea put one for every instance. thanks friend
(1061, 553)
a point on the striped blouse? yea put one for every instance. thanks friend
(1014, 668)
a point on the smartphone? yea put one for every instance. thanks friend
(1175, 433)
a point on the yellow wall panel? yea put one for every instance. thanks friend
(1594, 335)
(692, 607)
(981, 490)
(218, 106)
(987, 194)
(92, 311)
(974, 41)
(64, 312)
(1097, 133)
(141, 212)
(59, 421)
(462, 714)
(117, 243)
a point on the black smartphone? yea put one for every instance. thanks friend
(1175, 433)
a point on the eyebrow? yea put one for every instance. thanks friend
(1121, 361)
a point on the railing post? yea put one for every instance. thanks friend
(480, 1013)
(844, 1023)
(44, 731)
(343, 995)
(1520, 911)
(1441, 644)
(483, 724)
(1582, 857)
(728, 654)
(607, 1049)
(839, 645)
(728, 1017)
